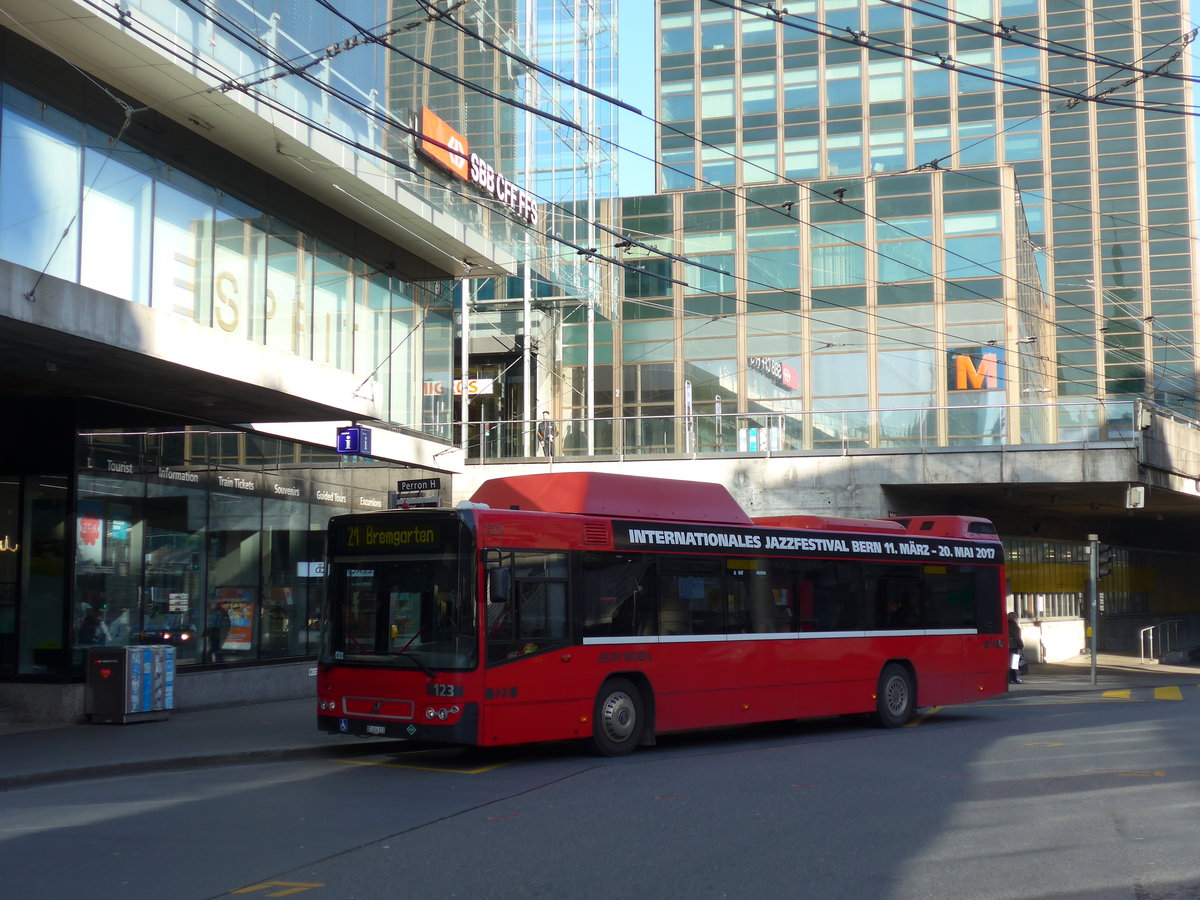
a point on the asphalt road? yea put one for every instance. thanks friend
(1076, 796)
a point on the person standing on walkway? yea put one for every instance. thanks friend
(1016, 649)
(93, 630)
(547, 431)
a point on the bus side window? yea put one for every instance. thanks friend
(543, 611)
(618, 595)
(674, 614)
(838, 590)
(988, 617)
(527, 605)
(806, 613)
(691, 597)
(897, 595)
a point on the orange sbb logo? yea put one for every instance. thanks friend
(443, 144)
(449, 149)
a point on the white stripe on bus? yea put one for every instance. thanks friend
(772, 636)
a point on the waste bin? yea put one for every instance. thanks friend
(129, 684)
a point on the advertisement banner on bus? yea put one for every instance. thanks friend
(642, 535)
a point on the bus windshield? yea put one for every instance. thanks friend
(411, 612)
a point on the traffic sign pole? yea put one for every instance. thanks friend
(1093, 594)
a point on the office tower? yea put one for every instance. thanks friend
(1084, 102)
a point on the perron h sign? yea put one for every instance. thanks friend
(354, 440)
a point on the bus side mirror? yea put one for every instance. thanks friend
(499, 582)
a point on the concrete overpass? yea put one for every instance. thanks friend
(1063, 491)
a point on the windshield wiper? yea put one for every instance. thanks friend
(403, 651)
(421, 664)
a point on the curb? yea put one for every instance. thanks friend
(204, 761)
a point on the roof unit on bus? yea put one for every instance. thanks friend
(949, 526)
(825, 523)
(615, 496)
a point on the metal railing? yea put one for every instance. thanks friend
(837, 432)
(1156, 641)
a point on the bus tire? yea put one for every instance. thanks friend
(895, 698)
(618, 718)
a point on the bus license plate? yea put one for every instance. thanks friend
(376, 729)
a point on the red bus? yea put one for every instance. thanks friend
(614, 608)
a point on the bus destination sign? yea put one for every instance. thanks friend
(386, 537)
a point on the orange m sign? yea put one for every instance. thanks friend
(976, 369)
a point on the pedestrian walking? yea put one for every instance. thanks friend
(547, 431)
(1016, 649)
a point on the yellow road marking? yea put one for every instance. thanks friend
(448, 771)
(1168, 693)
(1046, 744)
(290, 887)
(923, 716)
(1118, 695)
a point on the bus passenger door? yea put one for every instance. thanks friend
(529, 691)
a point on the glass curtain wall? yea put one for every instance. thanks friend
(10, 569)
(839, 316)
(33, 559)
(82, 207)
(209, 541)
(1104, 185)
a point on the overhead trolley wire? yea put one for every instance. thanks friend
(579, 249)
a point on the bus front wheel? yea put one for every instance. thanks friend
(895, 697)
(617, 718)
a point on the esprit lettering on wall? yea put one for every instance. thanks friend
(8, 545)
(976, 369)
(227, 310)
(450, 150)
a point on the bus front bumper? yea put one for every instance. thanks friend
(464, 730)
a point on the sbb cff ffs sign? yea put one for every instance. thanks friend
(779, 372)
(976, 369)
(449, 149)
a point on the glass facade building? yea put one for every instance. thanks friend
(548, 136)
(897, 313)
(891, 205)
(147, 232)
(126, 522)
(504, 74)
(1084, 103)
(210, 541)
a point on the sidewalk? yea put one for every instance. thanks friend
(1113, 672)
(287, 729)
(260, 732)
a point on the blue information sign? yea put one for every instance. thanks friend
(354, 440)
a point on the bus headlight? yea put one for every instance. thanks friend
(443, 713)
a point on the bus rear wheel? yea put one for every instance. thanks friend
(617, 718)
(895, 698)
